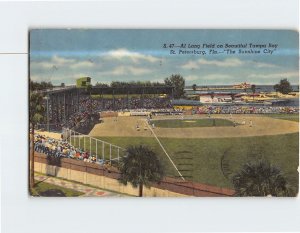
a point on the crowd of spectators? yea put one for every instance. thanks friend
(117, 104)
(245, 109)
(62, 149)
(57, 119)
(89, 106)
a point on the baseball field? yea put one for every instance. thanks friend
(197, 146)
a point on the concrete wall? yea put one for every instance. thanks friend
(99, 176)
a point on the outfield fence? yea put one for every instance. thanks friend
(103, 151)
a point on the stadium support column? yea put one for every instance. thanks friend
(77, 100)
(60, 108)
(57, 109)
(68, 104)
(127, 100)
(72, 102)
(52, 110)
(65, 119)
(142, 98)
(114, 100)
(47, 106)
(48, 113)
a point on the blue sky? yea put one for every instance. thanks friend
(124, 55)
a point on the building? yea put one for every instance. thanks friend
(83, 82)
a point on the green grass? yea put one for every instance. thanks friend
(204, 155)
(41, 187)
(186, 123)
(289, 117)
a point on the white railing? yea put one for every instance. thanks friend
(102, 150)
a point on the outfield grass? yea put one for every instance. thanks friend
(204, 155)
(42, 187)
(289, 117)
(186, 123)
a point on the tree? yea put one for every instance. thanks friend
(36, 111)
(232, 96)
(283, 86)
(101, 85)
(178, 82)
(253, 88)
(39, 86)
(261, 179)
(194, 87)
(140, 167)
(212, 96)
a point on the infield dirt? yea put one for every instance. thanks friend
(261, 125)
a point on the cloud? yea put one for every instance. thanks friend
(228, 62)
(136, 57)
(61, 61)
(218, 77)
(191, 77)
(289, 74)
(57, 62)
(264, 65)
(125, 70)
(190, 65)
(82, 65)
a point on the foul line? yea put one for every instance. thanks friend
(165, 152)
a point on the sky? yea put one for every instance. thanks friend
(105, 55)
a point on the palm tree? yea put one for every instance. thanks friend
(232, 96)
(194, 88)
(36, 111)
(140, 167)
(212, 96)
(261, 179)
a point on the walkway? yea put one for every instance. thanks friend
(88, 191)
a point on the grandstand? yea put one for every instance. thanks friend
(74, 107)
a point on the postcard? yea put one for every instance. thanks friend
(163, 113)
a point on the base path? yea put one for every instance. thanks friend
(166, 153)
(261, 125)
(88, 191)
